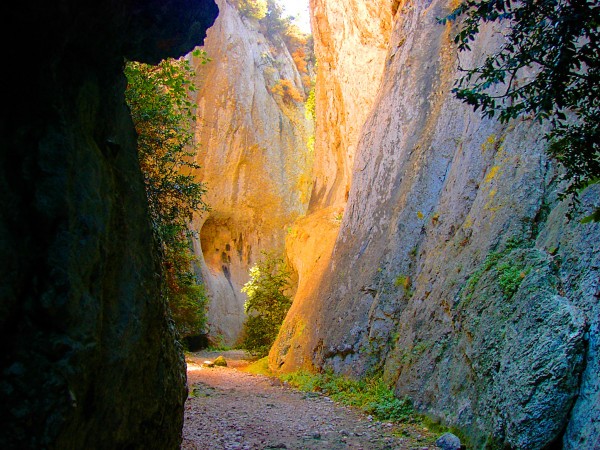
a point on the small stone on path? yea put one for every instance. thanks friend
(448, 441)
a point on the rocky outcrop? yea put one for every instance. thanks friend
(255, 158)
(455, 273)
(88, 355)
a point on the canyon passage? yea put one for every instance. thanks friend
(429, 247)
(229, 408)
(404, 215)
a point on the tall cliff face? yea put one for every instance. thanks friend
(350, 46)
(254, 155)
(88, 357)
(455, 272)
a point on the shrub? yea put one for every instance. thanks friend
(299, 57)
(510, 276)
(267, 303)
(286, 90)
(158, 97)
(256, 9)
(274, 23)
(310, 106)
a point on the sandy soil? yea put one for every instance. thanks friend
(228, 408)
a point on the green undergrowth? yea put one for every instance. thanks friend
(372, 395)
(219, 348)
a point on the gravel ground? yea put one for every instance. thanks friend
(228, 408)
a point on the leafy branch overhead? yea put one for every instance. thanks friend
(549, 68)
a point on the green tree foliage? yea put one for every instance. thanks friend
(558, 43)
(275, 23)
(158, 97)
(267, 303)
(278, 28)
(256, 9)
(269, 13)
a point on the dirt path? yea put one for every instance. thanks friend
(231, 409)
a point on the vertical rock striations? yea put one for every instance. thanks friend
(455, 273)
(254, 155)
(88, 356)
(350, 45)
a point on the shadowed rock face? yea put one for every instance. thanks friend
(88, 357)
(455, 273)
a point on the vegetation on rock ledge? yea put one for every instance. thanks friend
(162, 113)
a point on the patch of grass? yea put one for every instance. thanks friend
(510, 277)
(402, 280)
(260, 367)
(371, 395)
(219, 348)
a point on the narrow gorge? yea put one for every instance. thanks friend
(441, 206)
(429, 244)
(419, 211)
(256, 157)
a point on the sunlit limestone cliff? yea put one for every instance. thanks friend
(454, 271)
(255, 156)
(350, 46)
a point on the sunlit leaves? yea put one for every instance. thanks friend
(267, 303)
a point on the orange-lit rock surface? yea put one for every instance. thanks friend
(350, 45)
(255, 159)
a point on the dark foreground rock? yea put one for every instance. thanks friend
(88, 358)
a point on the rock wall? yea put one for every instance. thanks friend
(88, 355)
(255, 158)
(350, 46)
(455, 273)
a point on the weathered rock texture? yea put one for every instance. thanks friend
(88, 356)
(350, 45)
(455, 272)
(255, 160)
